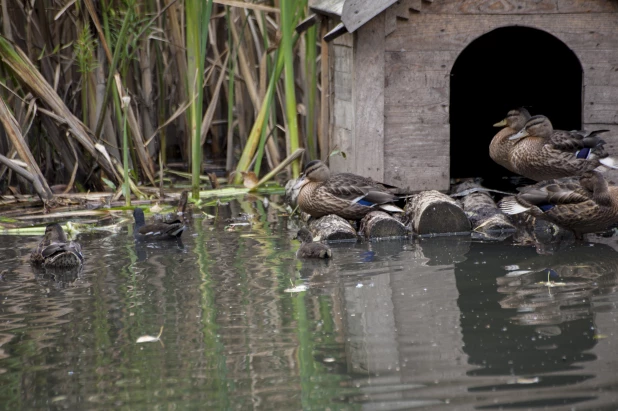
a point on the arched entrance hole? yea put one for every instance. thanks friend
(507, 68)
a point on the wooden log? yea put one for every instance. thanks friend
(431, 212)
(484, 215)
(332, 228)
(378, 224)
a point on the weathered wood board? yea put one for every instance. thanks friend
(369, 99)
(519, 6)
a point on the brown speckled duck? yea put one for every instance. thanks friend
(309, 249)
(56, 251)
(542, 153)
(347, 195)
(585, 206)
(500, 146)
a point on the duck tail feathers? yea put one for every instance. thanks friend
(390, 208)
(609, 162)
(511, 206)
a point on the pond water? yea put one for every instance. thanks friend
(445, 323)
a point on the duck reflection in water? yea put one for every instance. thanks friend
(57, 277)
(552, 289)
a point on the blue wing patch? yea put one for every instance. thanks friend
(583, 153)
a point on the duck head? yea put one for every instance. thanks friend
(515, 119)
(314, 171)
(538, 126)
(304, 236)
(55, 233)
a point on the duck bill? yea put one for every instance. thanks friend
(300, 182)
(523, 133)
(500, 123)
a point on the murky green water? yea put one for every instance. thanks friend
(436, 324)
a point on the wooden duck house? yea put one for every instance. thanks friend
(414, 86)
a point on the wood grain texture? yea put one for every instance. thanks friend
(357, 13)
(601, 104)
(378, 224)
(332, 228)
(520, 6)
(328, 7)
(369, 99)
(432, 212)
(342, 58)
(429, 32)
(341, 139)
(417, 156)
(325, 93)
(346, 39)
(416, 86)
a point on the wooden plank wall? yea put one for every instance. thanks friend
(420, 53)
(342, 114)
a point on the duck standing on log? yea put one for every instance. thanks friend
(501, 146)
(542, 153)
(347, 195)
(586, 206)
(55, 251)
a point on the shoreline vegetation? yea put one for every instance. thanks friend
(110, 104)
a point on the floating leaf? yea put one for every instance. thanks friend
(599, 336)
(149, 338)
(297, 289)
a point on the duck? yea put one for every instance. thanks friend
(542, 153)
(585, 205)
(309, 249)
(155, 231)
(500, 146)
(55, 251)
(347, 195)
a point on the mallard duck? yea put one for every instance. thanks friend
(542, 153)
(500, 146)
(56, 251)
(585, 206)
(309, 249)
(155, 231)
(348, 195)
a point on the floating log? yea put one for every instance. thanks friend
(378, 224)
(332, 228)
(484, 215)
(431, 212)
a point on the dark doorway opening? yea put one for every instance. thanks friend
(507, 68)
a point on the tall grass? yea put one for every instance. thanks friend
(157, 54)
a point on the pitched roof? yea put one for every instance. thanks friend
(353, 13)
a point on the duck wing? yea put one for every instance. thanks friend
(159, 230)
(358, 189)
(555, 194)
(57, 248)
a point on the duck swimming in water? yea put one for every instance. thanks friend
(56, 251)
(156, 231)
(309, 249)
